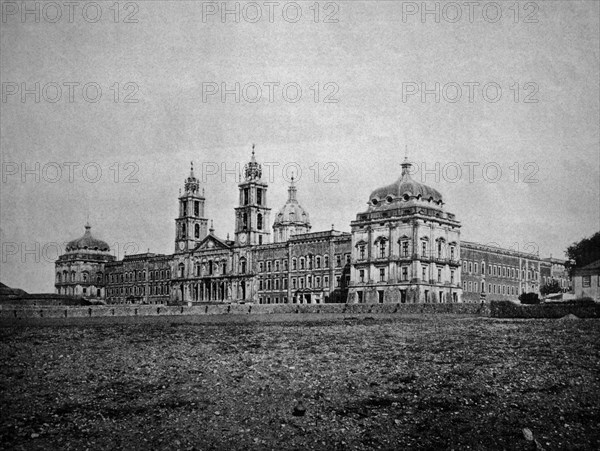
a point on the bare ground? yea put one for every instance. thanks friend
(440, 382)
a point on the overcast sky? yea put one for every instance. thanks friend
(517, 112)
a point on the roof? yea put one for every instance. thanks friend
(88, 242)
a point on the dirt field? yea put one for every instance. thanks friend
(441, 382)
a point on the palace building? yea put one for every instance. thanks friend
(405, 248)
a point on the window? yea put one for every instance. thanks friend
(338, 260)
(489, 270)
(495, 270)
(452, 277)
(197, 231)
(439, 248)
(482, 268)
(348, 259)
(439, 275)
(586, 281)
(326, 281)
(268, 266)
(317, 282)
(246, 196)
(243, 265)
(261, 266)
(337, 281)
(259, 221)
(308, 281)
(285, 265)
(452, 252)
(470, 267)
(301, 262)
(259, 196)
(464, 285)
(294, 264)
(404, 251)
(301, 282)
(326, 261)
(424, 248)
(464, 266)
(268, 284)
(489, 288)
(483, 287)
(476, 268)
(196, 208)
(424, 273)
(362, 275)
(285, 283)
(470, 286)
(293, 283)
(361, 252)
(382, 249)
(504, 271)
(405, 273)
(277, 284)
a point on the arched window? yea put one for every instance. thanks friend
(72, 276)
(259, 221)
(99, 277)
(181, 270)
(318, 262)
(242, 265)
(294, 264)
(245, 220)
(183, 234)
(301, 262)
(57, 277)
(197, 230)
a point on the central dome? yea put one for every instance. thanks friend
(87, 242)
(292, 212)
(403, 190)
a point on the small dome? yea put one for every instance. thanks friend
(405, 189)
(292, 211)
(87, 242)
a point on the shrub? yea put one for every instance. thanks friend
(529, 298)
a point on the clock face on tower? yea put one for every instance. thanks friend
(243, 239)
(181, 245)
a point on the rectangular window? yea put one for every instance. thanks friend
(464, 285)
(361, 252)
(405, 273)
(259, 197)
(470, 286)
(326, 281)
(293, 283)
(348, 259)
(317, 282)
(268, 266)
(587, 281)
(405, 248)
(470, 267)
(338, 260)
(476, 268)
(464, 266)
(337, 281)
(439, 279)
(362, 275)
(452, 252)
(382, 274)
(424, 273)
(424, 248)
(452, 277)
(276, 265)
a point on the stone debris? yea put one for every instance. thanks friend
(569, 317)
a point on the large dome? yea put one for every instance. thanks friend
(87, 242)
(292, 212)
(403, 190)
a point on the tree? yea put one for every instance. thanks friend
(551, 287)
(583, 252)
(529, 298)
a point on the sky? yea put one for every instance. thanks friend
(104, 105)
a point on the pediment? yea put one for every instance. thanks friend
(210, 243)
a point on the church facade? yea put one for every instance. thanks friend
(405, 248)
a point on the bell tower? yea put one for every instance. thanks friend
(252, 215)
(191, 225)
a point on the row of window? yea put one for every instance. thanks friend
(133, 276)
(300, 263)
(72, 277)
(561, 281)
(404, 249)
(297, 283)
(184, 212)
(498, 270)
(154, 290)
(476, 287)
(405, 274)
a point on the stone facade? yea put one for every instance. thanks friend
(406, 248)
